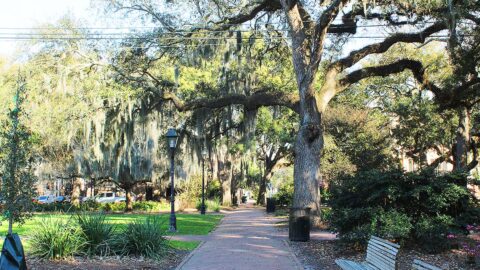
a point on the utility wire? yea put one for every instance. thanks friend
(46, 38)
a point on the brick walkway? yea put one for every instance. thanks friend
(245, 239)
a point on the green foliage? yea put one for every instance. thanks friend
(150, 206)
(214, 205)
(143, 238)
(92, 205)
(210, 205)
(112, 207)
(55, 207)
(433, 231)
(190, 192)
(214, 189)
(57, 239)
(356, 138)
(420, 207)
(18, 179)
(97, 232)
(284, 196)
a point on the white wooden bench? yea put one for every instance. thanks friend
(381, 255)
(419, 265)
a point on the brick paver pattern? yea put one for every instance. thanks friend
(245, 239)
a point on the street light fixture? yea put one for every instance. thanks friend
(172, 137)
(204, 156)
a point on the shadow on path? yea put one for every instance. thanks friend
(245, 239)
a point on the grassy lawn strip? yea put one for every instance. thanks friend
(187, 224)
(184, 245)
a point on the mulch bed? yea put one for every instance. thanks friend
(109, 263)
(318, 254)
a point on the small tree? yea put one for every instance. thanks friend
(15, 163)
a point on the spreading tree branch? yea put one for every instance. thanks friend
(254, 101)
(383, 46)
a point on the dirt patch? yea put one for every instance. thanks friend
(109, 263)
(318, 254)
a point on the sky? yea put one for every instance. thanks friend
(34, 13)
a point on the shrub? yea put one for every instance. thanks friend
(326, 214)
(190, 192)
(213, 205)
(146, 206)
(214, 189)
(57, 239)
(90, 205)
(284, 196)
(97, 232)
(112, 207)
(198, 206)
(55, 207)
(433, 231)
(143, 238)
(418, 207)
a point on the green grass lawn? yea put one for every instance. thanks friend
(187, 224)
(184, 245)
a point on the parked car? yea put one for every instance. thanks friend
(46, 199)
(109, 197)
(60, 199)
(85, 199)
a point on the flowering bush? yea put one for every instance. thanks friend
(472, 250)
(421, 207)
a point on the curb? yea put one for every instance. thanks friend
(189, 256)
(297, 261)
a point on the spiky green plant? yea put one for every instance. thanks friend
(57, 239)
(98, 233)
(144, 238)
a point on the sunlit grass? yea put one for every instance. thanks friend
(187, 224)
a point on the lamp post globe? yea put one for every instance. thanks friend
(204, 156)
(172, 137)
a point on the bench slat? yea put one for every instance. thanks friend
(381, 244)
(397, 246)
(386, 252)
(421, 265)
(379, 262)
(350, 265)
(381, 255)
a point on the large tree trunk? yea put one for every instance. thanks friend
(308, 148)
(76, 191)
(128, 199)
(264, 181)
(462, 140)
(227, 186)
(261, 191)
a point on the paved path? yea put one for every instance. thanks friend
(245, 239)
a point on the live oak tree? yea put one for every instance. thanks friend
(275, 129)
(320, 73)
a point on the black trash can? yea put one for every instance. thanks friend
(270, 205)
(299, 224)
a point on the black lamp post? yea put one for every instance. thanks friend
(204, 156)
(172, 144)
